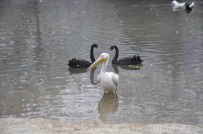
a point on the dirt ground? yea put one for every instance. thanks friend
(48, 126)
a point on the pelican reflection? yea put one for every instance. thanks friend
(92, 79)
(107, 105)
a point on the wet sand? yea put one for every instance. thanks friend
(48, 126)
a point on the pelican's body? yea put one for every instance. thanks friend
(80, 63)
(107, 80)
(125, 61)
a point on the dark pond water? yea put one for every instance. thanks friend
(38, 37)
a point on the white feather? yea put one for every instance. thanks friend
(192, 4)
(177, 4)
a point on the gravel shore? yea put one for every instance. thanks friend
(48, 126)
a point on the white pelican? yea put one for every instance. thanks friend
(107, 80)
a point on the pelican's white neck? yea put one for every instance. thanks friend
(104, 65)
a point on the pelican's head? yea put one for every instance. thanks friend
(103, 58)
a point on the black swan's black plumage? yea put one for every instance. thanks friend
(125, 61)
(80, 63)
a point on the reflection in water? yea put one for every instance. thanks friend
(92, 76)
(83, 70)
(76, 70)
(108, 104)
(126, 67)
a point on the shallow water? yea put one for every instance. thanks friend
(38, 37)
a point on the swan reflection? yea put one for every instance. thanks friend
(83, 70)
(76, 70)
(126, 67)
(107, 105)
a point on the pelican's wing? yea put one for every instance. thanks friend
(98, 78)
(115, 79)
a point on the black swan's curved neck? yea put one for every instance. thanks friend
(115, 68)
(92, 52)
(116, 55)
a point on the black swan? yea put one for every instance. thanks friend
(125, 61)
(80, 63)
